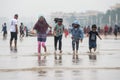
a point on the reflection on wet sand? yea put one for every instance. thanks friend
(59, 73)
(25, 62)
(92, 57)
(58, 62)
(42, 73)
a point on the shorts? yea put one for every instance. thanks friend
(21, 32)
(13, 36)
(5, 32)
(92, 44)
(41, 39)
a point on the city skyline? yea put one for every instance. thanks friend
(35, 8)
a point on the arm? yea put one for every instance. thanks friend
(54, 31)
(34, 28)
(81, 35)
(99, 37)
(50, 27)
(16, 27)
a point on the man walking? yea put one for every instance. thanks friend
(14, 32)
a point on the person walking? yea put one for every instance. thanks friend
(14, 32)
(41, 28)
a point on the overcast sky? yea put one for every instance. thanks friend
(45, 7)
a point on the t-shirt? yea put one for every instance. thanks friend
(12, 26)
(4, 28)
(59, 30)
(22, 28)
(77, 34)
(93, 35)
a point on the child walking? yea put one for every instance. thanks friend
(92, 38)
(41, 27)
(77, 35)
(58, 32)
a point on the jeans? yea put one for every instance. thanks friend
(56, 39)
(75, 43)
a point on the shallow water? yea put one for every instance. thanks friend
(62, 75)
(24, 64)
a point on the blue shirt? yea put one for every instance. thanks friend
(77, 34)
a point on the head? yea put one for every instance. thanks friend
(41, 19)
(60, 20)
(21, 23)
(94, 27)
(4, 23)
(75, 24)
(16, 16)
(56, 20)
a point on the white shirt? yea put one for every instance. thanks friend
(12, 26)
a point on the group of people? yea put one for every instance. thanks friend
(22, 30)
(77, 35)
(14, 32)
(41, 27)
(110, 30)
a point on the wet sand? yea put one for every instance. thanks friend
(24, 64)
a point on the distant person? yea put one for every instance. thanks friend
(88, 29)
(41, 27)
(92, 38)
(26, 30)
(99, 30)
(14, 32)
(21, 30)
(69, 28)
(58, 32)
(119, 29)
(66, 32)
(77, 35)
(85, 30)
(110, 30)
(4, 29)
(106, 30)
(116, 31)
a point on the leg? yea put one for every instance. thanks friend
(11, 39)
(39, 47)
(55, 46)
(94, 49)
(73, 47)
(95, 46)
(60, 47)
(44, 46)
(90, 45)
(77, 47)
(11, 44)
(4, 34)
(90, 50)
(39, 50)
(60, 43)
(15, 42)
(55, 42)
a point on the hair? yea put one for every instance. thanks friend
(94, 26)
(21, 23)
(16, 15)
(58, 20)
